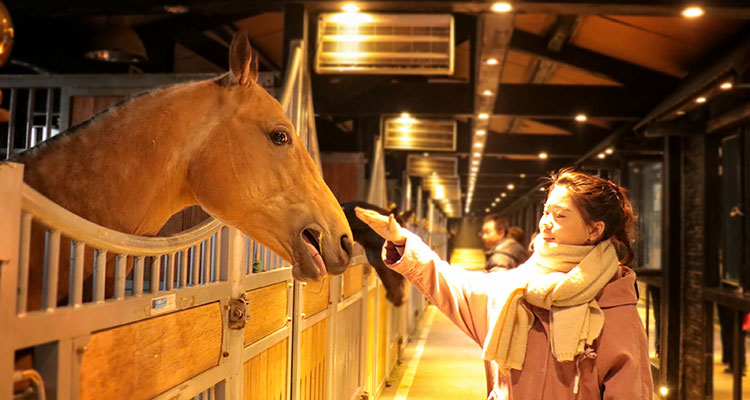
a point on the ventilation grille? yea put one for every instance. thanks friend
(407, 133)
(402, 44)
(426, 166)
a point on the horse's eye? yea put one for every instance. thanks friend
(280, 137)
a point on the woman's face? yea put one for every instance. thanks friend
(561, 221)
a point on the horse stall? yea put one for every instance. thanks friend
(206, 313)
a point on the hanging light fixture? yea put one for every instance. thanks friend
(116, 42)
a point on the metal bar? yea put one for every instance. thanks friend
(12, 122)
(138, 275)
(217, 257)
(23, 263)
(183, 268)
(120, 267)
(79, 249)
(100, 275)
(48, 114)
(195, 263)
(51, 269)
(155, 274)
(30, 137)
(169, 278)
(206, 253)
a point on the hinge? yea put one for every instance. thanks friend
(237, 313)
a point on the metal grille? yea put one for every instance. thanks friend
(408, 133)
(385, 44)
(425, 166)
(34, 117)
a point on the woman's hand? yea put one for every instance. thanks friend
(387, 227)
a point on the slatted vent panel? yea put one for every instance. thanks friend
(408, 133)
(424, 166)
(446, 190)
(406, 44)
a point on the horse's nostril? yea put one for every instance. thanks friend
(346, 244)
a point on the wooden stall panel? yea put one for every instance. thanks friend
(267, 308)
(372, 334)
(352, 280)
(143, 359)
(315, 297)
(264, 376)
(383, 329)
(313, 343)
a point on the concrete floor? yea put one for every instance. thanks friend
(447, 364)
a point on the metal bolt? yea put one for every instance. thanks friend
(225, 354)
(303, 315)
(237, 313)
(82, 349)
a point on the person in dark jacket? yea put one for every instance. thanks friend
(503, 252)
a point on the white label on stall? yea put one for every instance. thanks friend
(163, 304)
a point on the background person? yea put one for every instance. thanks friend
(564, 325)
(503, 252)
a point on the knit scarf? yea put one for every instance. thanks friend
(564, 279)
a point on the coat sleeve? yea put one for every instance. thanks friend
(460, 294)
(623, 366)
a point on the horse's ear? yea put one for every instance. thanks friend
(406, 215)
(242, 64)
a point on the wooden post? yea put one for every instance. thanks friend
(11, 183)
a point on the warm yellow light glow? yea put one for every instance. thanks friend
(483, 116)
(700, 100)
(541, 189)
(680, 112)
(693, 12)
(474, 169)
(726, 85)
(351, 18)
(581, 118)
(501, 7)
(543, 155)
(350, 7)
(522, 175)
(609, 150)
(497, 199)
(478, 145)
(503, 194)
(492, 61)
(477, 154)
(664, 391)
(475, 162)
(426, 154)
(511, 186)
(601, 156)
(487, 93)
(481, 132)
(439, 192)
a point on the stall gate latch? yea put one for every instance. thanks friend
(237, 313)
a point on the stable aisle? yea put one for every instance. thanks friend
(440, 362)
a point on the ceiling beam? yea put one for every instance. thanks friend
(591, 62)
(529, 167)
(383, 97)
(530, 144)
(555, 101)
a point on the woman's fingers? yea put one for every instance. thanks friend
(385, 226)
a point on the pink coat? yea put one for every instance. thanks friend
(615, 367)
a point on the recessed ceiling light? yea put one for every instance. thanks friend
(350, 7)
(477, 154)
(491, 61)
(486, 210)
(497, 199)
(501, 7)
(487, 93)
(522, 175)
(481, 132)
(478, 145)
(680, 112)
(581, 117)
(511, 186)
(426, 154)
(503, 194)
(601, 156)
(609, 150)
(700, 100)
(483, 116)
(726, 85)
(543, 155)
(692, 12)
(475, 162)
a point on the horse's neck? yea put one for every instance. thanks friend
(127, 169)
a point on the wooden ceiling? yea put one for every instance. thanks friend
(615, 61)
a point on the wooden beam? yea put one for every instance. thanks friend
(591, 62)
(555, 101)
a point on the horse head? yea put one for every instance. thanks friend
(372, 243)
(270, 187)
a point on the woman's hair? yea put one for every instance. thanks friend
(601, 200)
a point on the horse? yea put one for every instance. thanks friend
(224, 144)
(373, 243)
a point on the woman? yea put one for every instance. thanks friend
(564, 324)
